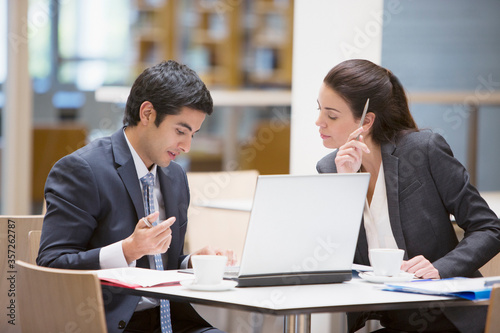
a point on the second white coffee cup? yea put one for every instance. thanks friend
(208, 269)
(386, 262)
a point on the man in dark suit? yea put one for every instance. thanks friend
(96, 215)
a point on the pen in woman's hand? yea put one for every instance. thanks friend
(363, 116)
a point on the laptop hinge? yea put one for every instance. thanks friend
(287, 279)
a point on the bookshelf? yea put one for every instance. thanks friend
(231, 44)
(234, 46)
(154, 32)
(270, 43)
(212, 41)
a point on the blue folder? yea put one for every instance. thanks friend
(471, 289)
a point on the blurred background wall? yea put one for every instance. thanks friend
(78, 48)
(448, 46)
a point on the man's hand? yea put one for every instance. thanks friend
(148, 241)
(421, 267)
(208, 250)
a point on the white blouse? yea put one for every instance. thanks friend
(376, 217)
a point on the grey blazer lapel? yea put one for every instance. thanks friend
(127, 171)
(391, 167)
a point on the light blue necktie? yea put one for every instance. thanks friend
(148, 182)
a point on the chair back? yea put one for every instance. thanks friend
(33, 245)
(59, 300)
(493, 318)
(14, 230)
(220, 228)
(492, 267)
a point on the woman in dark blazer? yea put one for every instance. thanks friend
(420, 185)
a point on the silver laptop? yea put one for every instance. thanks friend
(303, 229)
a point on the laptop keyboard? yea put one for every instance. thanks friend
(231, 271)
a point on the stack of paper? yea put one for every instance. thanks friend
(133, 277)
(471, 289)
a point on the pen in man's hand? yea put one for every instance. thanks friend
(146, 222)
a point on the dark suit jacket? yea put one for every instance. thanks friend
(94, 199)
(425, 184)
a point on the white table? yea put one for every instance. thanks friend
(297, 303)
(228, 204)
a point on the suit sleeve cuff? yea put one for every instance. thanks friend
(185, 262)
(112, 256)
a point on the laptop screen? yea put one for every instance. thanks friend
(304, 223)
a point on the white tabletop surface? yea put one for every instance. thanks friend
(229, 204)
(247, 97)
(355, 295)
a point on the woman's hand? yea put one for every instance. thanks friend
(350, 155)
(421, 267)
(208, 250)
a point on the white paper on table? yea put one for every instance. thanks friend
(361, 268)
(229, 204)
(135, 277)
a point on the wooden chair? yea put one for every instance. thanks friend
(58, 300)
(33, 245)
(222, 228)
(269, 150)
(493, 318)
(14, 230)
(50, 143)
(492, 267)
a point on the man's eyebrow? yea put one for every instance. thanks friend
(183, 124)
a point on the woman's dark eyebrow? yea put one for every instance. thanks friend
(328, 108)
(332, 109)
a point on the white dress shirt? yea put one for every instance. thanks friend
(376, 217)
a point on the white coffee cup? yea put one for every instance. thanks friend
(386, 262)
(208, 269)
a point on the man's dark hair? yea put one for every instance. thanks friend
(168, 86)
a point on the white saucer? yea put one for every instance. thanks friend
(224, 285)
(371, 277)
